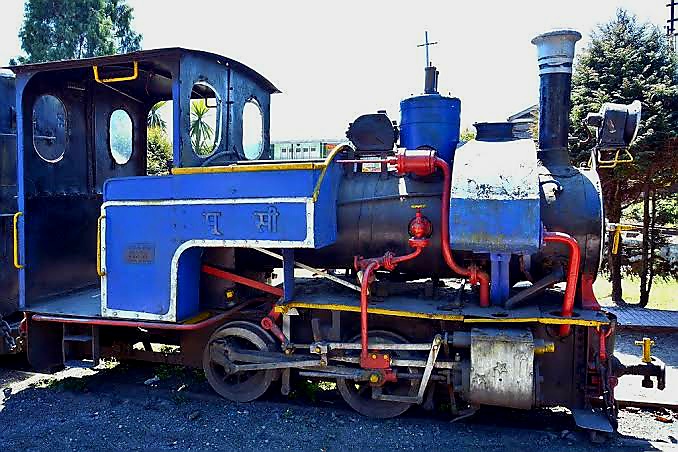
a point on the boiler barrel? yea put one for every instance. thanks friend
(373, 214)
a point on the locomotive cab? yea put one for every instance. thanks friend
(83, 123)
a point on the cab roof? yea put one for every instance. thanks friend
(158, 61)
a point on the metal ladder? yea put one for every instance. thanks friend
(80, 345)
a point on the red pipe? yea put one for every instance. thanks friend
(472, 273)
(602, 344)
(221, 274)
(369, 266)
(572, 273)
(424, 163)
(133, 324)
(364, 286)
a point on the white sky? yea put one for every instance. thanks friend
(336, 60)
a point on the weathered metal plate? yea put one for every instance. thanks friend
(495, 211)
(502, 367)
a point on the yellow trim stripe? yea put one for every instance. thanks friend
(100, 270)
(542, 320)
(249, 168)
(198, 318)
(15, 223)
(450, 317)
(379, 311)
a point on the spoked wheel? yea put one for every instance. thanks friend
(243, 386)
(358, 394)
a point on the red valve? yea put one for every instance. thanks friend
(420, 227)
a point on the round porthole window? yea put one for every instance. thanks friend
(49, 128)
(252, 130)
(120, 136)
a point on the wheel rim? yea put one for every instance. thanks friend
(358, 395)
(238, 386)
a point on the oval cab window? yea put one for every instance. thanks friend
(49, 128)
(205, 119)
(252, 130)
(120, 136)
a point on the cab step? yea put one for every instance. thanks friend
(80, 345)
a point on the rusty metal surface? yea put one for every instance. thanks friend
(502, 367)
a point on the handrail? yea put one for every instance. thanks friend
(134, 76)
(15, 220)
(100, 270)
(326, 163)
(616, 160)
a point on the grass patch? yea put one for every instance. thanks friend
(664, 294)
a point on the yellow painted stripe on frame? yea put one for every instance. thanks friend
(379, 311)
(450, 317)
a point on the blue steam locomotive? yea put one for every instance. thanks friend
(439, 275)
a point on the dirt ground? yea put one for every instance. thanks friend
(112, 409)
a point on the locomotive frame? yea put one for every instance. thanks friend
(110, 261)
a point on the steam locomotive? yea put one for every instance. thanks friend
(437, 277)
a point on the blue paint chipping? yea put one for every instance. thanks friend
(495, 226)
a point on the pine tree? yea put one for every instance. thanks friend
(627, 60)
(68, 29)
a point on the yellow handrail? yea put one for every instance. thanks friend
(100, 270)
(127, 78)
(327, 163)
(617, 234)
(614, 162)
(17, 265)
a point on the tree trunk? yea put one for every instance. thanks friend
(614, 260)
(653, 240)
(645, 260)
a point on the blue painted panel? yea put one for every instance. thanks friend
(495, 226)
(494, 203)
(139, 250)
(141, 240)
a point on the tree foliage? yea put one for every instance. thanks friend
(68, 29)
(159, 151)
(467, 134)
(201, 128)
(624, 61)
(155, 118)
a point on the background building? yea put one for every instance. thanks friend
(302, 150)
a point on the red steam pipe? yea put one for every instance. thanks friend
(424, 163)
(228, 276)
(364, 287)
(572, 273)
(389, 261)
(474, 275)
(133, 323)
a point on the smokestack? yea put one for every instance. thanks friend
(555, 52)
